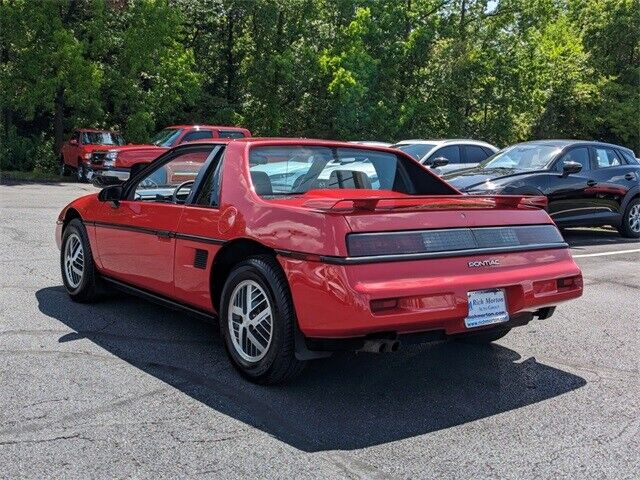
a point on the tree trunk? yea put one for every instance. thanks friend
(231, 72)
(58, 121)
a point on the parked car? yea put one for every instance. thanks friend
(122, 161)
(340, 264)
(371, 143)
(75, 153)
(586, 183)
(446, 156)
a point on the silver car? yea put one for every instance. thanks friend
(445, 156)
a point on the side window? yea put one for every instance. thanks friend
(606, 157)
(451, 153)
(209, 192)
(631, 160)
(579, 155)
(160, 184)
(230, 134)
(196, 135)
(475, 154)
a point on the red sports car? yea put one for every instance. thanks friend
(304, 247)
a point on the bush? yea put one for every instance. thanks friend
(27, 153)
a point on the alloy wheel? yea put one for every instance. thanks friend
(634, 218)
(73, 260)
(250, 320)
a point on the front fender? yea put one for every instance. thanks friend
(631, 194)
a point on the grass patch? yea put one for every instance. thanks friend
(34, 176)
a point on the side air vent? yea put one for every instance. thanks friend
(200, 260)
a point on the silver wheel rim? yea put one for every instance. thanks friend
(250, 320)
(634, 218)
(73, 260)
(80, 171)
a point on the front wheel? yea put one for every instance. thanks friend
(64, 168)
(81, 173)
(257, 322)
(630, 226)
(79, 274)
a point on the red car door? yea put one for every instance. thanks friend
(200, 235)
(71, 150)
(136, 239)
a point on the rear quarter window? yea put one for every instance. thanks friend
(230, 134)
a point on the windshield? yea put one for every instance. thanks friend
(295, 170)
(166, 137)
(102, 138)
(416, 150)
(523, 157)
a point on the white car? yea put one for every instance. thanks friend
(445, 156)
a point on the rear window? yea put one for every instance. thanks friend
(295, 170)
(231, 134)
(416, 150)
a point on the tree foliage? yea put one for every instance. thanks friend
(503, 71)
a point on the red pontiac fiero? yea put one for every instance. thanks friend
(304, 247)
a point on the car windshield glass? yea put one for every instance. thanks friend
(166, 137)
(102, 138)
(416, 150)
(294, 170)
(523, 157)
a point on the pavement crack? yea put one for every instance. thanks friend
(44, 440)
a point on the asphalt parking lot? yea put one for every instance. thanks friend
(125, 388)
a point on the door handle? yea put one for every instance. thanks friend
(630, 176)
(591, 183)
(162, 234)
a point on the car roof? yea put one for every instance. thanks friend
(198, 126)
(442, 141)
(288, 141)
(567, 142)
(96, 130)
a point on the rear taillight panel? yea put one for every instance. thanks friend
(462, 240)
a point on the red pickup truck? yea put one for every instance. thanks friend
(123, 160)
(76, 153)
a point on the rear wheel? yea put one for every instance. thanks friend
(630, 226)
(257, 322)
(79, 275)
(483, 337)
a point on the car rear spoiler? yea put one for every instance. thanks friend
(426, 202)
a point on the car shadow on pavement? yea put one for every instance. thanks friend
(585, 237)
(349, 401)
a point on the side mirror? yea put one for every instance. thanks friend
(569, 167)
(439, 162)
(73, 142)
(112, 193)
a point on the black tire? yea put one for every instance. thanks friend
(626, 228)
(64, 168)
(89, 287)
(483, 337)
(81, 173)
(279, 363)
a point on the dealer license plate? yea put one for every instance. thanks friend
(486, 307)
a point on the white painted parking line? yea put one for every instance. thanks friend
(602, 254)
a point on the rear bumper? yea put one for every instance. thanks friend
(334, 301)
